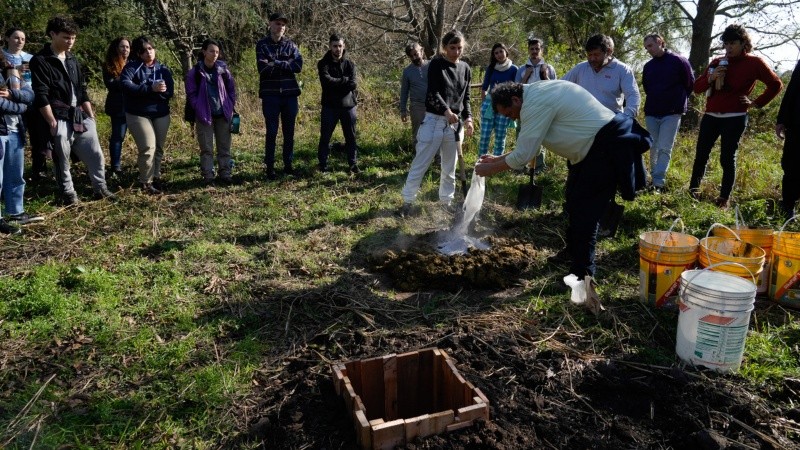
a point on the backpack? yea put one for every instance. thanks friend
(188, 110)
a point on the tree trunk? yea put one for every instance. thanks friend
(702, 29)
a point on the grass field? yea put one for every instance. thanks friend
(156, 322)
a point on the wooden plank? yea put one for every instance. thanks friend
(442, 381)
(458, 426)
(425, 382)
(354, 374)
(390, 387)
(372, 387)
(338, 379)
(477, 401)
(389, 435)
(375, 422)
(350, 397)
(440, 421)
(470, 413)
(479, 393)
(457, 389)
(358, 405)
(363, 430)
(469, 394)
(408, 389)
(413, 426)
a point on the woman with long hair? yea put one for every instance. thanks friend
(446, 110)
(116, 58)
(729, 82)
(499, 70)
(211, 92)
(147, 86)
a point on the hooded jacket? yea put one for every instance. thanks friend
(338, 79)
(197, 93)
(55, 82)
(16, 104)
(137, 87)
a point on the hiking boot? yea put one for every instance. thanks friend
(159, 183)
(102, 193)
(354, 169)
(24, 218)
(289, 171)
(225, 181)
(323, 168)
(208, 182)
(69, 198)
(271, 176)
(149, 189)
(722, 203)
(7, 228)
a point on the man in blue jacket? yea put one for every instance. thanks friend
(278, 59)
(60, 95)
(337, 75)
(667, 80)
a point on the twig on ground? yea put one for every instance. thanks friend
(15, 422)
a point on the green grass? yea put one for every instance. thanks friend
(157, 317)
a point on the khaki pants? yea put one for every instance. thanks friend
(220, 130)
(149, 134)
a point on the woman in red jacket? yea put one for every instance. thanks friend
(729, 81)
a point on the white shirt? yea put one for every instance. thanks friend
(560, 115)
(614, 84)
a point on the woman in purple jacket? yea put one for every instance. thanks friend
(211, 91)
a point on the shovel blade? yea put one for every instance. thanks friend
(529, 197)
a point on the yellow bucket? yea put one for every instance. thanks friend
(760, 237)
(715, 250)
(784, 280)
(663, 256)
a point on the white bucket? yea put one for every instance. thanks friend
(714, 318)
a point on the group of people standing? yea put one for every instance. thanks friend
(588, 117)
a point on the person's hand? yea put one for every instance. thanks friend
(451, 117)
(160, 86)
(780, 131)
(53, 126)
(469, 128)
(528, 73)
(543, 74)
(745, 100)
(4, 93)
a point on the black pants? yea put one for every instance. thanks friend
(729, 130)
(790, 163)
(329, 117)
(41, 142)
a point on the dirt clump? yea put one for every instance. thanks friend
(421, 266)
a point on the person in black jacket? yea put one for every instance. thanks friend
(787, 126)
(337, 75)
(116, 57)
(60, 95)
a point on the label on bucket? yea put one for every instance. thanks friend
(659, 283)
(784, 286)
(718, 343)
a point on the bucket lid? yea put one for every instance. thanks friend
(717, 284)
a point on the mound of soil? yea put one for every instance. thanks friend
(421, 266)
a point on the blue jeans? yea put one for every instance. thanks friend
(329, 117)
(284, 110)
(663, 129)
(729, 130)
(118, 129)
(12, 183)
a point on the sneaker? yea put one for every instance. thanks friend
(159, 183)
(24, 218)
(70, 198)
(271, 176)
(7, 228)
(104, 193)
(659, 189)
(354, 169)
(405, 210)
(149, 189)
(225, 181)
(722, 203)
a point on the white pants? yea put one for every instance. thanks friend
(435, 135)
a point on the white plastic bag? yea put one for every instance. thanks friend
(578, 289)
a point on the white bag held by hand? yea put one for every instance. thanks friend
(583, 293)
(578, 289)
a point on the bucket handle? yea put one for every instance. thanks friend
(787, 223)
(669, 234)
(689, 281)
(708, 233)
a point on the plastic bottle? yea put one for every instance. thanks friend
(235, 123)
(721, 76)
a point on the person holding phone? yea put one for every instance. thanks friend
(147, 86)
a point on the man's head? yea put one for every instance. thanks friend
(535, 46)
(655, 45)
(507, 99)
(63, 32)
(277, 25)
(414, 53)
(336, 46)
(599, 49)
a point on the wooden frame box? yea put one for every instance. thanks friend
(396, 398)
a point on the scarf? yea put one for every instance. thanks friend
(503, 67)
